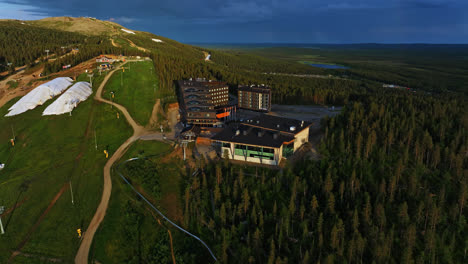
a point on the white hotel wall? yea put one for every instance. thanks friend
(301, 138)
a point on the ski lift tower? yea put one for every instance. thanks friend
(184, 146)
(90, 80)
(2, 209)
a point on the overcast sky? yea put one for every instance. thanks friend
(287, 21)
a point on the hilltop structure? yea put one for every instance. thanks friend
(103, 59)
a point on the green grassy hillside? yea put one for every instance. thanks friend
(135, 89)
(83, 25)
(51, 152)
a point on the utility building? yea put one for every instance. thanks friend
(201, 100)
(257, 98)
(265, 139)
(103, 58)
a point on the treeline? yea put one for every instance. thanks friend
(174, 61)
(391, 187)
(87, 52)
(22, 44)
(430, 79)
(236, 60)
(285, 89)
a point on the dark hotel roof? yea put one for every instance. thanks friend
(243, 134)
(203, 84)
(277, 123)
(257, 89)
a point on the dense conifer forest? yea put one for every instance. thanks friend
(88, 52)
(24, 44)
(286, 89)
(391, 187)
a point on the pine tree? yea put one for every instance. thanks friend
(246, 200)
(314, 204)
(331, 203)
(328, 185)
(271, 257)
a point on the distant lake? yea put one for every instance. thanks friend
(328, 66)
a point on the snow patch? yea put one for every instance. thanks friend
(156, 40)
(128, 31)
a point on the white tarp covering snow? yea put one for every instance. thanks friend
(2, 166)
(128, 31)
(156, 40)
(40, 95)
(79, 92)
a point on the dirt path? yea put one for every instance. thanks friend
(154, 114)
(114, 44)
(135, 46)
(138, 132)
(83, 251)
(45, 259)
(24, 78)
(207, 58)
(14, 207)
(6, 94)
(43, 215)
(27, 81)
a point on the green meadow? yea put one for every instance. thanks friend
(135, 89)
(52, 153)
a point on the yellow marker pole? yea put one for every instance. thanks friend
(12, 142)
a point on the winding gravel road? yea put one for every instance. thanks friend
(83, 252)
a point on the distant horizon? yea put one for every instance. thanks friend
(261, 21)
(330, 43)
(256, 43)
(298, 45)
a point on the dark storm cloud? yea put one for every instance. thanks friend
(338, 21)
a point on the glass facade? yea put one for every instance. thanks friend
(254, 152)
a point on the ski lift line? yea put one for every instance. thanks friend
(156, 210)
